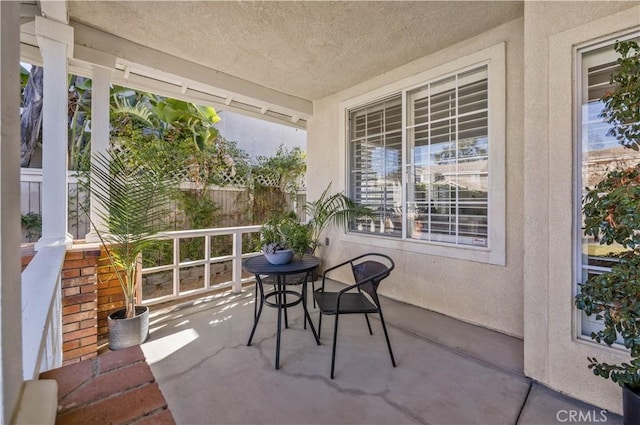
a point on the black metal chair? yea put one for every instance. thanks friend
(368, 271)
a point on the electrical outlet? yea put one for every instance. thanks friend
(326, 241)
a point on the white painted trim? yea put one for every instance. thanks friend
(495, 57)
(55, 31)
(55, 9)
(42, 312)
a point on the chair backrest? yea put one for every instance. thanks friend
(373, 272)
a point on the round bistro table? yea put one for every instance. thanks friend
(277, 298)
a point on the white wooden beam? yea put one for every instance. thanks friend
(139, 82)
(163, 62)
(55, 10)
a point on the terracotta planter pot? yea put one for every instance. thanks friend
(124, 333)
(630, 407)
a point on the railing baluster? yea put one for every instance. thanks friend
(207, 265)
(176, 266)
(237, 262)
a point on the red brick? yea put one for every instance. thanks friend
(89, 306)
(70, 291)
(79, 263)
(78, 352)
(70, 377)
(106, 384)
(89, 356)
(70, 327)
(161, 417)
(89, 323)
(67, 273)
(77, 317)
(115, 359)
(74, 255)
(89, 288)
(117, 410)
(71, 309)
(68, 362)
(77, 281)
(71, 345)
(90, 340)
(106, 307)
(79, 299)
(85, 271)
(70, 336)
(111, 291)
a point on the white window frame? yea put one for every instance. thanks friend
(495, 251)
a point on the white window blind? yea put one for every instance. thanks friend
(375, 138)
(447, 133)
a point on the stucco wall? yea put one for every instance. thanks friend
(479, 293)
(553, 354)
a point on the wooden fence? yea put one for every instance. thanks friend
(235, 204)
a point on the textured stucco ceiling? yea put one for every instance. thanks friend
(306, 49)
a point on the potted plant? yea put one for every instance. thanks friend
(283, 236)
(338, 209)
(131, 200)
(612, 215)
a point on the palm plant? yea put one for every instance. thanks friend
(132, 200)
(338, 209)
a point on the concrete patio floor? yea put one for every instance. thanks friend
(448, 372)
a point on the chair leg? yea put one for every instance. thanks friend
(313, 290)
(319, 322)
(333, 351)
(386, 335)
(366, 316)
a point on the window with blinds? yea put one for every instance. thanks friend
(599, 153)
(448, 141)
(428, 156)
(375, 140)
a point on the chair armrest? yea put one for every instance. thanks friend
(330, 269)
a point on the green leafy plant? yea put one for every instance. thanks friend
(338, 209)
(32, 224)
(622, 105)
(285, 232)
(612, 215)
(132, 198)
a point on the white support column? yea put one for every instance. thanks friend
(100, 80)
(10, 302)
(56, 45)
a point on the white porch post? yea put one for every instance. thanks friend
(100, 80)
(56, 45)
(10, 303)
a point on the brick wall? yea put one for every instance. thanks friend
(79, 305)
(110, 295)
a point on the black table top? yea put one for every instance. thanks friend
(260, 265)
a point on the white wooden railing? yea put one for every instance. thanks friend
(176, 266)
(42, 312)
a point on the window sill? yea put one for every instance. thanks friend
(439, 249)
